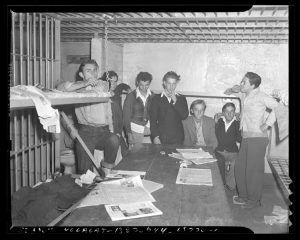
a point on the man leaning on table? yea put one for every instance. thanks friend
(249, 167)
(94, 120)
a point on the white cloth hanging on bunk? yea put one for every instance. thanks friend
(48, 116)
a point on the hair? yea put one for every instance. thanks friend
(143, 76)
(253, 79)
(85, 62)
(171, 74)
(120, 88)
(229, 104)
(196, 102)
(106, 76)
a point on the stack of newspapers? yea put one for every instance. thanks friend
(125, 198)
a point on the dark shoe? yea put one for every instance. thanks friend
(239, 200)
(251, 204)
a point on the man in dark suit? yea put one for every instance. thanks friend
(199, 130)
(167, 111)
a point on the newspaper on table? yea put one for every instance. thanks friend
(131, 210)
(190, 154)
(124, 174)
(196, 161)
(151, 186)
(125, 190)
(194, 176)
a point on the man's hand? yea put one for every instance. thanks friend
(92, 82)
(156, 140)
(234, 89)
(217, 117)
(264, 127)
(238, 116)
(173, 97)
(130, 141)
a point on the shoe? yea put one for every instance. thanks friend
(251, 204)
(239, 200)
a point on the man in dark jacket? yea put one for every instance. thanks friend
(167, 111)
(228, 134)
(136, 110)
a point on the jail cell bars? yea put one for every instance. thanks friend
(33, 58)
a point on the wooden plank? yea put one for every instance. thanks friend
(28, 103)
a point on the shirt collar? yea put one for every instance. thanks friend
(164, 94)
(224, 119)
(138, 93)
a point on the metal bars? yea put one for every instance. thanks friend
(34, 40)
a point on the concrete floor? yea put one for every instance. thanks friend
(254, 218)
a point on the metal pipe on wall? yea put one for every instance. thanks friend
(22, 111)
(47, 84)
(29, 82)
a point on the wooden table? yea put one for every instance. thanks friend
(182, 205)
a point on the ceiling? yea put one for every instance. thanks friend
(260, 24)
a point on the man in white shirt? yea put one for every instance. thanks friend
(136, 110)
(249, 168)
(94, 120)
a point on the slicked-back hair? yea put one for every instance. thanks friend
(229, 104)
(196, 102)
(254, 79)
(85, 62)
(171, 74)
(143, 76)
(106, 76)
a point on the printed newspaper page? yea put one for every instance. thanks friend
(193, 176)
(132, 210)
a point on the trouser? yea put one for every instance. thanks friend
(96, 138)
(229, 162)
(139, 137)
(249, 168)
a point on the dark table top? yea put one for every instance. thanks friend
(182, 205)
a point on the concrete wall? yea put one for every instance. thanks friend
(211, 68)
(208, 67)
(114, 56)
(68, 71)
(114, 60)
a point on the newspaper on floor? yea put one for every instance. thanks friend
(151, 186)
(281, 216)
(48, 116)
(194, 176)
(131, 210)
(125, 190)
(124, 174)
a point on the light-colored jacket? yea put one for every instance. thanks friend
(208, 129)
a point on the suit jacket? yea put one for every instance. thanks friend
(208, 129)
(166, 119)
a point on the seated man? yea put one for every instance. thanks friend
(228, 134)
(199, 130)
(94, 121)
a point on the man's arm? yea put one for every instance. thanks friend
(154, 108)
(73, 86)
(181, 107)
(127, 111)
(236, 90)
